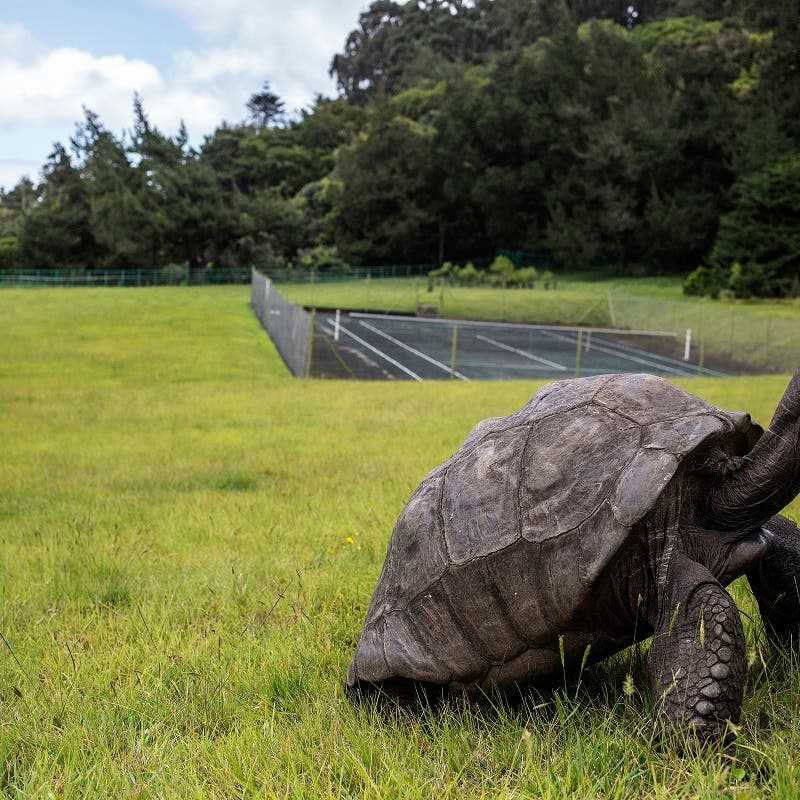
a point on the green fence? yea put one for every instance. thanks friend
(175, 276)
(121, 277)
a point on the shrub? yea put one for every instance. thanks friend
(527, 277)
(319, 257)
(704, 281)
(447, 270)
(549, 280)
(468, 275)
(175, 274)
(502, 266)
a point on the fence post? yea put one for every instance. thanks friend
(453, 353)
(310, 350)
(612, 314)
(701, 363)
(687, 347)
(578, 353)
(767, 340)
(702, 335)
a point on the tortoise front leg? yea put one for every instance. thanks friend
(697, 660)
(775, 581)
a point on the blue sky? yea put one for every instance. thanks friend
(196, 60)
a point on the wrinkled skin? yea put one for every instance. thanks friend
(523, 556)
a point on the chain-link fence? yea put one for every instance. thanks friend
(290, 327)
(174, 275)
(748, 338)
(177, 274)
(740, 337)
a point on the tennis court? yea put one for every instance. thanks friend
(413, 348)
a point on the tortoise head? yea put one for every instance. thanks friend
(767, 478)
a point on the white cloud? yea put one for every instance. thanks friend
(288, 44)
(40, 88)
(56, 85)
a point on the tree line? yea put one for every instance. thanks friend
(656, 137)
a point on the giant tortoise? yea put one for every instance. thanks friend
(607, 510)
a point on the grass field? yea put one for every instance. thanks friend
(763, 335)
(188, 542)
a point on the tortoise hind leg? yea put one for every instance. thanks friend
(775, 581)
(697, 661)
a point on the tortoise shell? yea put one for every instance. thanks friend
(498, 547)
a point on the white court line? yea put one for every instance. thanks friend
(492, 365)
(377, 352)
(685, 367)
(522, 353)
(418, 353)
(636, 359)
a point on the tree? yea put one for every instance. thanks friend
(379, 194)
(757, 249)
(13, 207)
(265, 108)
(118, 218)
(190, 217)
(55, 232)
(693, 150)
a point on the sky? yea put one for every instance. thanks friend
(193, 60)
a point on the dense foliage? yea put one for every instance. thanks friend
(659, 138)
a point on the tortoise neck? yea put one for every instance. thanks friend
(767, 479)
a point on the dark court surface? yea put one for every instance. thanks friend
(411, 348)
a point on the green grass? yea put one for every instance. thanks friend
(188, 542)
(762, 335)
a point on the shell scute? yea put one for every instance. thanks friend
(633, 493)
(573, 462)
(410, 656)
(431, 611)
(416, 557)
(648, 399)
(473, 591)
(480, 496)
